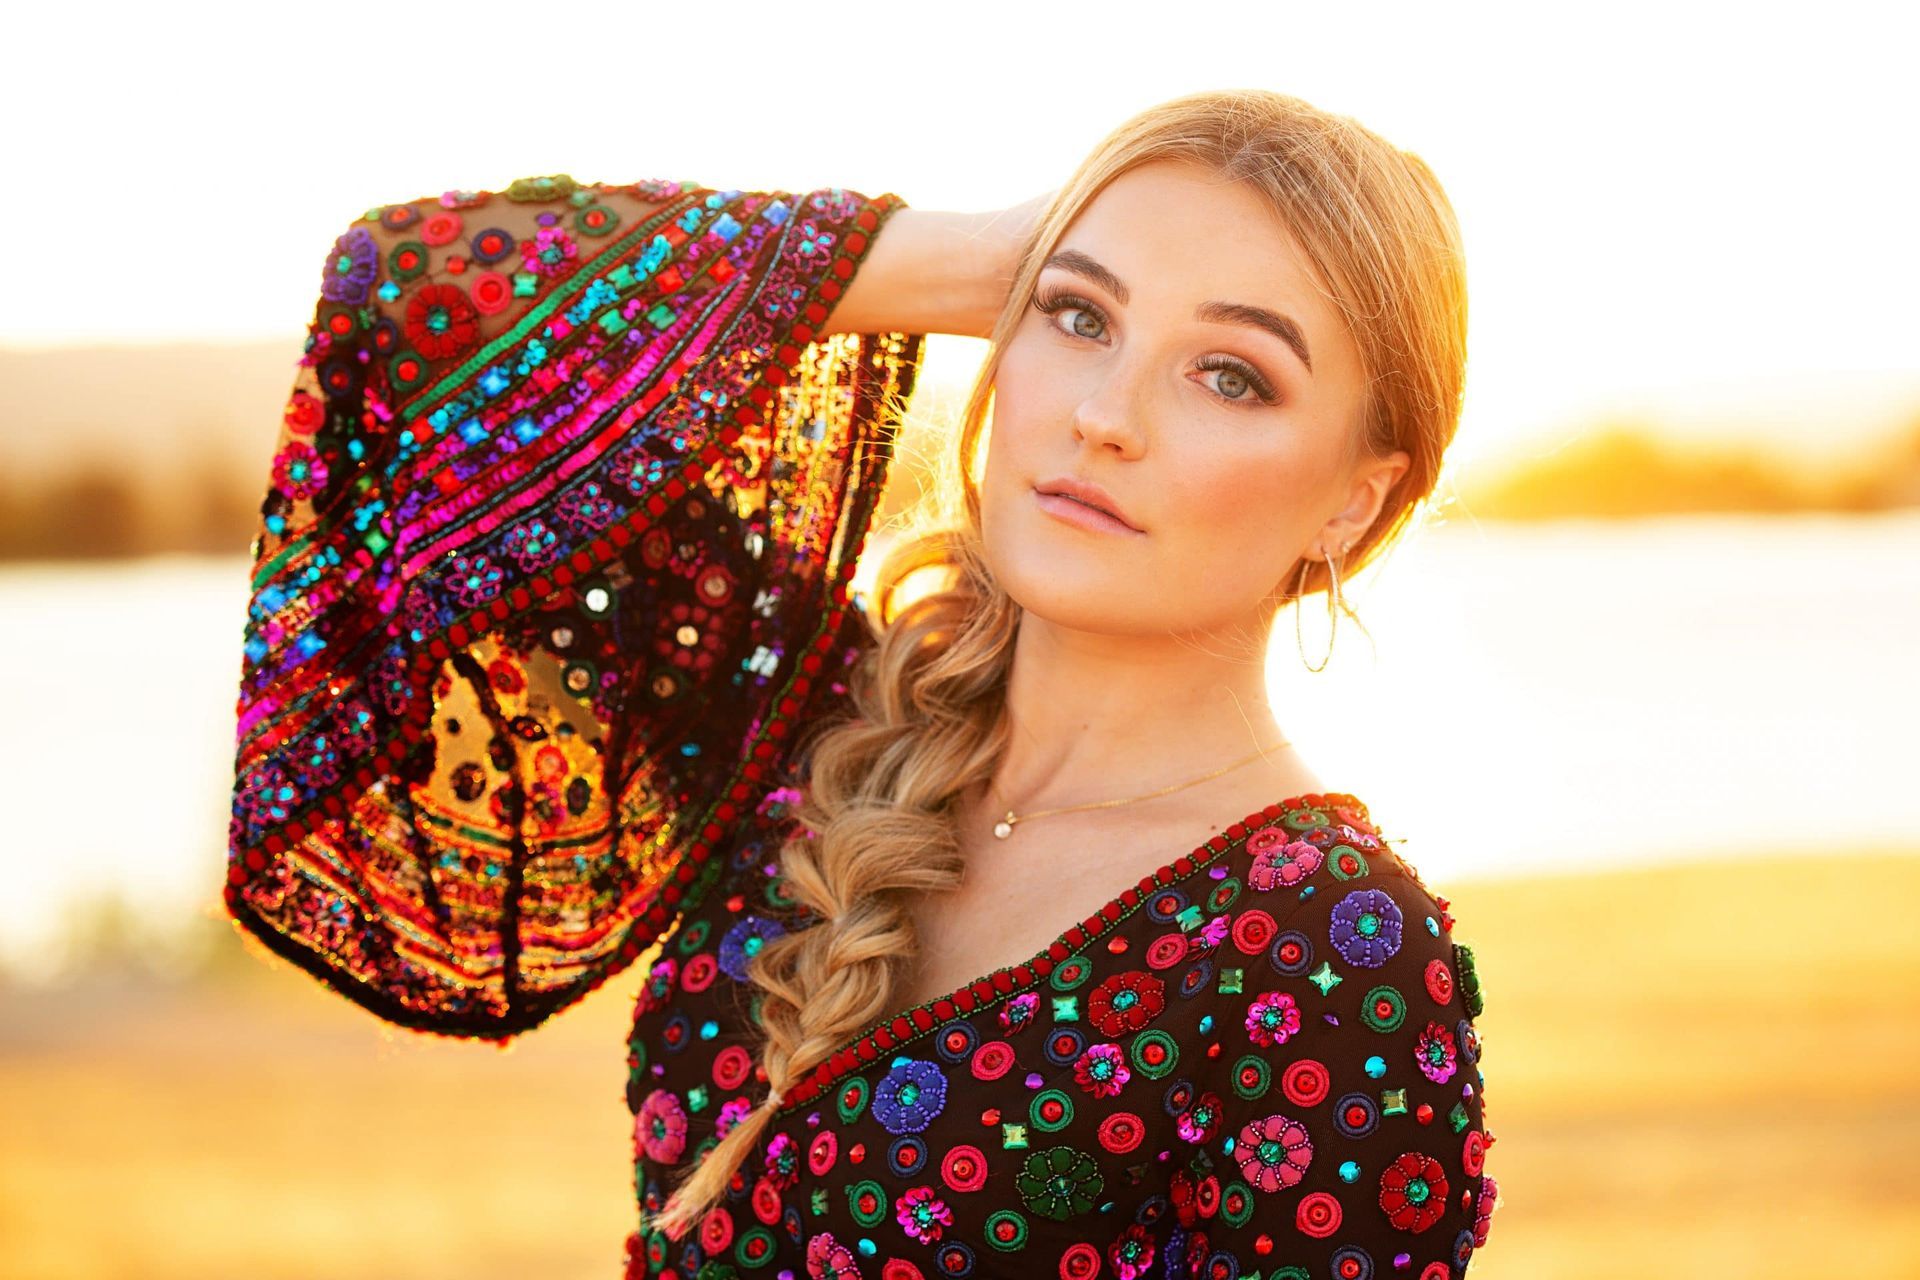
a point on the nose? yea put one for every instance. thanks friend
(1110, 417)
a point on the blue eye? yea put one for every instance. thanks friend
(1263, 391)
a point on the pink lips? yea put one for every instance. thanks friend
(1074, 512)
(1069, 495)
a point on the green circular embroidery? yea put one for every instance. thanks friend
(1006, 1230)
(1345, 862)
(340, 320)
(407, 369)
(754, 1249)
(595, 220)
(853, 1099)
(1154, 1053)
(1224, 894)
(1291, 1273)
(1070, 973)
(777, 895)
(867, 1202)
(1306, 819)
(1236, 1204)
(1384, 1008)
(1051, 1111)
(695, 937)
(407, 260)
(1252, 1077)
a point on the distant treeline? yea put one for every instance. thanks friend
(101, 508)
(1626, 470)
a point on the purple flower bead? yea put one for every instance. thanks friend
(910, 1096)
(1366, 928)
(743, 943)
(351, 269)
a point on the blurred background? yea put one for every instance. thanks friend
(1639, 697)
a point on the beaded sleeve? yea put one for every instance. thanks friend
(553, 560)
(1340, 1118)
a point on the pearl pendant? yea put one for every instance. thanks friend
(1004, 827)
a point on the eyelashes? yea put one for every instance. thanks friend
(1050, 302)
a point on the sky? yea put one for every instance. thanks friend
(1700, 213)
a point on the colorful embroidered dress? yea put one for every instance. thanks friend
(550, 583)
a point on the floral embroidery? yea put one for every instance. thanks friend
(743, 942)
(552, 252)
(1282, 865)
(1126, 1002)
(922, 1214)
(828, 1259)
(1435, 1053)
(299, 471)
(1199, 1122)
(782, 1161)
(1413, 1191)
(1274, 1152)
(1272, 1018)
(351, 271)
(1366, 928)
(441, 322)
(1102, 1070)
(732, 1112)
(913, 1093)
(661, 1127)
(1018, 1012)
(1060, 1182)
(1132, 1254)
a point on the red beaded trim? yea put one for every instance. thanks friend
(750, 412)
(983, 993)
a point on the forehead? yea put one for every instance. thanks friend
(1177, 235)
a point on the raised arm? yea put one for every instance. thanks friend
(553, 561)
(935, 271)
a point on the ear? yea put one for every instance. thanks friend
(1373, 478)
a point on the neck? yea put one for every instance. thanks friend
(1103, 717)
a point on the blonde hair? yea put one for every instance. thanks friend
(877, 813)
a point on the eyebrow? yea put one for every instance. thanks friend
(1244, 313)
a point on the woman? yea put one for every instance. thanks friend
(1000, 932)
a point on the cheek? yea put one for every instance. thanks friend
(1027, 393)
(1237, 514)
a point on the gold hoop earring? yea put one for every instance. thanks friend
(1333, 616)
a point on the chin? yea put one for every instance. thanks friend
(1074, 589)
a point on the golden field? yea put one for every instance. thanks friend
(1701, 1069)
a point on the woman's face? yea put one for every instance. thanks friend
(1224, 450)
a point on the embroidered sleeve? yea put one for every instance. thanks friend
(552, 560)
(1339, 1121)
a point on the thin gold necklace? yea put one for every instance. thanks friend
(1004, 828)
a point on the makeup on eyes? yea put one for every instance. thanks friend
(1051, 301)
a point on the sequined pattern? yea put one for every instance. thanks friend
(552, 557)
(551, 578)
(1220, 1073)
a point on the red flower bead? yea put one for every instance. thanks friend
(1413, 1191)
(1126, 1002)
(441, 322)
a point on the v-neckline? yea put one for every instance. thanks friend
(901, 1028)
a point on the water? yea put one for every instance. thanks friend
(1534, 698)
